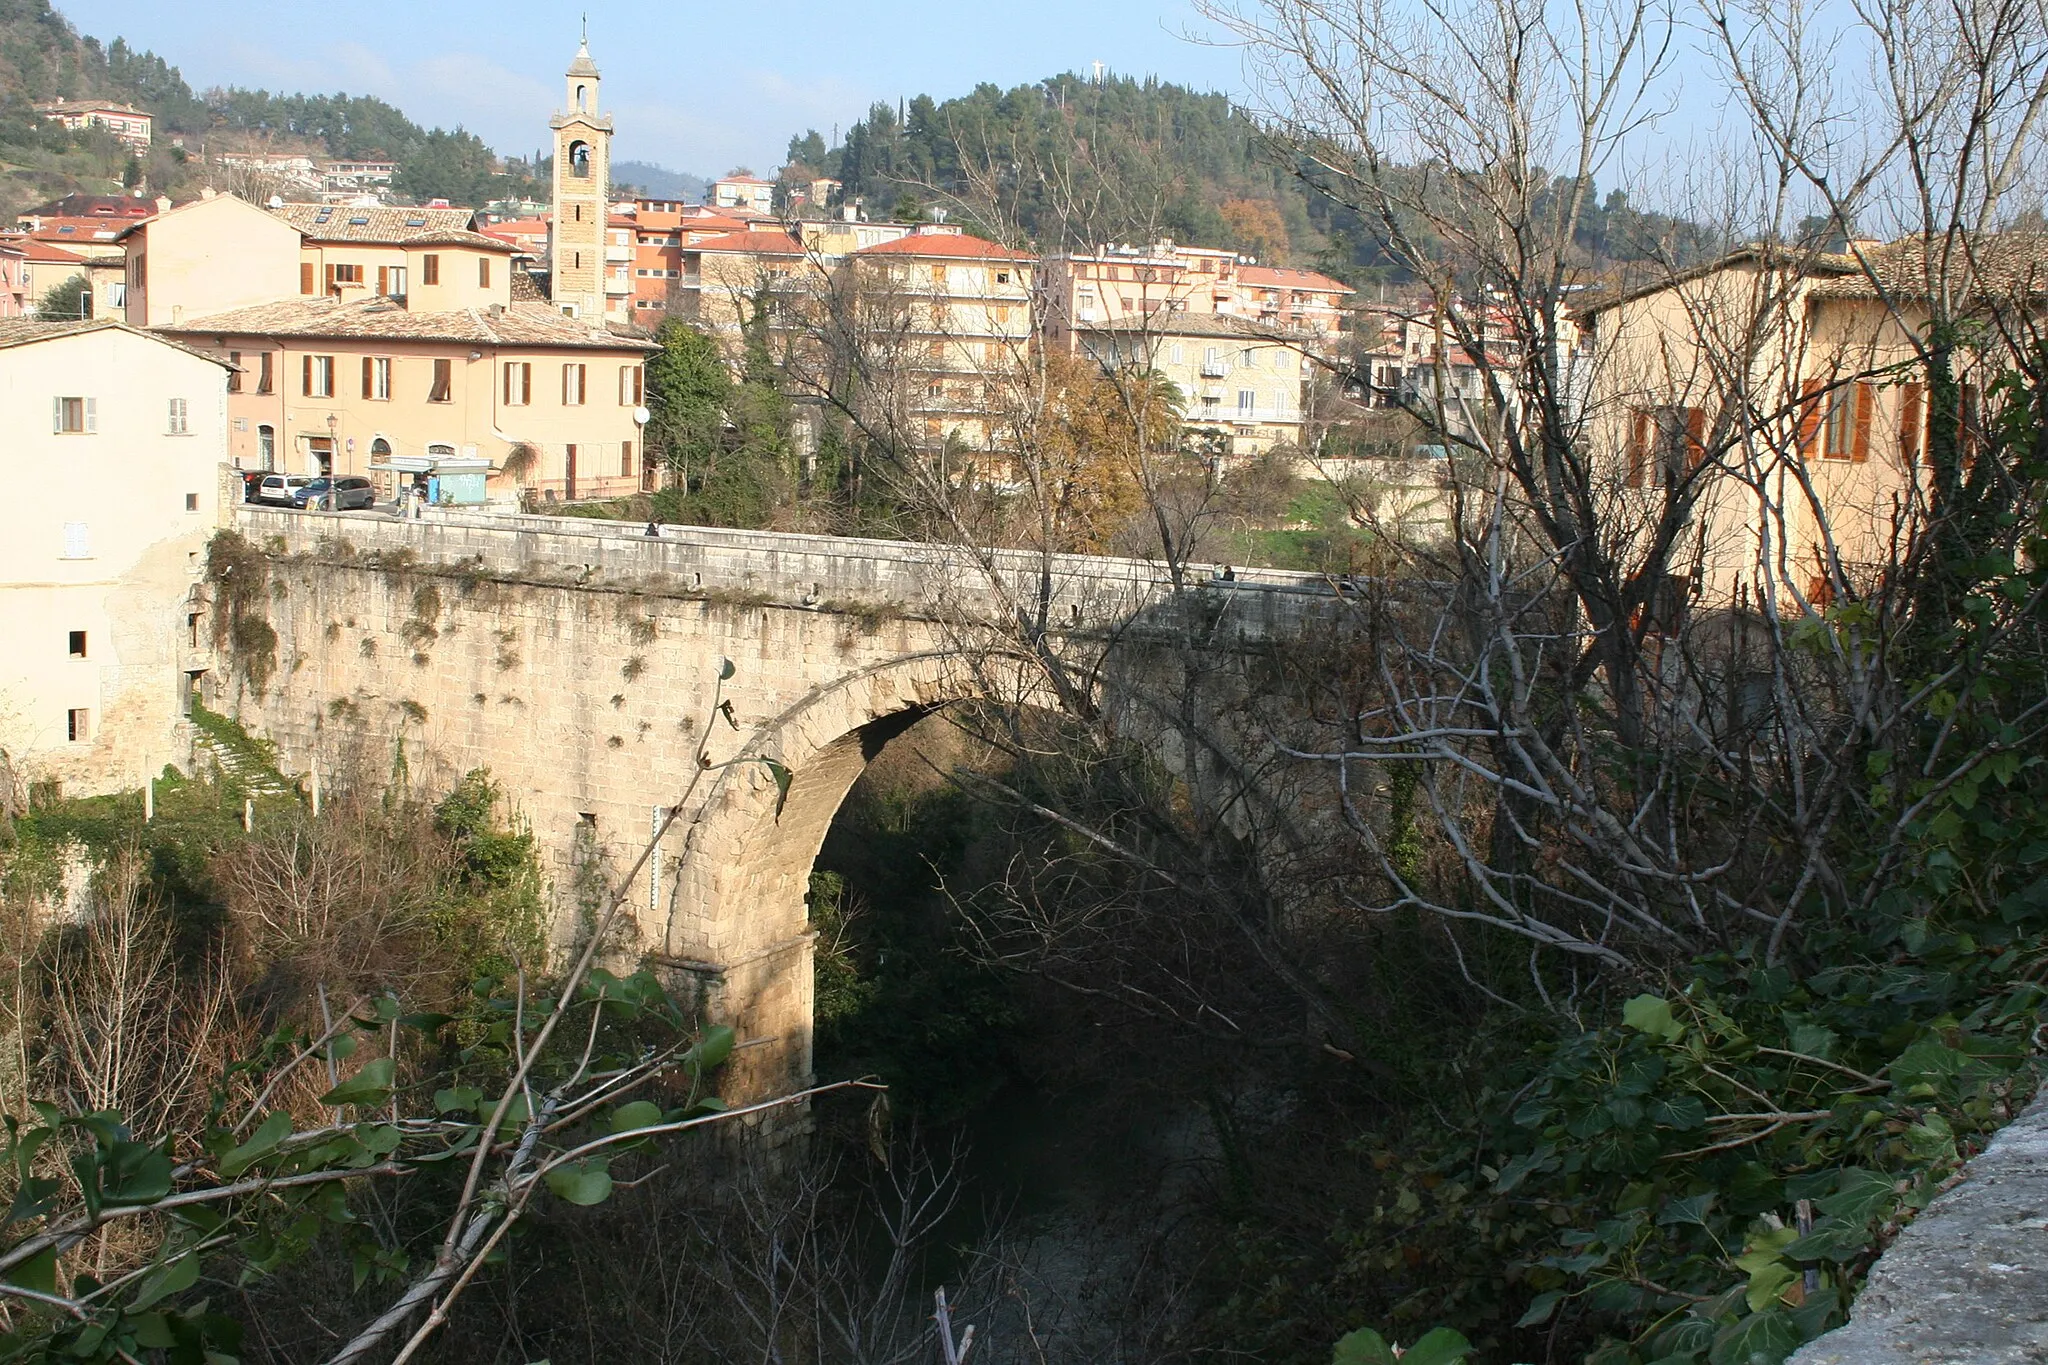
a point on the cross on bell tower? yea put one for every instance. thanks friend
(582, 186)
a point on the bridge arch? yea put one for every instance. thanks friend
(735, 924)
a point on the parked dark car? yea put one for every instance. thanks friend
(348, 492)
(252, 485)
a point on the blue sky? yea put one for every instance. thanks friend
(699, 87)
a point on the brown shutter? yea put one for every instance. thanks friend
(305, 277)
(383, 281)
(366, 376)
(526, 381)
(306, 375)
(330, 279)
(1638, 446)
(1810, 409)
(1859, 445)
(508, 383)
(1695, 437)
(1912, 417)
(483, 272)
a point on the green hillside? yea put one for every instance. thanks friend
(43, 57)
(1071, 162)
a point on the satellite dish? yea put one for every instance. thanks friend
(641, 416)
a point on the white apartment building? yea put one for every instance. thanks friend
(116, 440)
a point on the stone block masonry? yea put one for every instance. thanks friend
(578, 662)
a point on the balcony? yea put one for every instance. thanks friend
(619, 255)
(1214, 369)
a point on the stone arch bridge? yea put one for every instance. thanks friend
(576, 660)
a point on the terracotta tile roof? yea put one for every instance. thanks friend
(955, 244)
(1997, 266)
(103, 230)
(42, 251)
(91, 107)
(523, 324)
(525, 288)
(388, 226)
(26, 331)
(751, 243)
(477, 241)
(1283, 277)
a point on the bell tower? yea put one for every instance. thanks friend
(582, 183)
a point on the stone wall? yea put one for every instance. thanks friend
(578, 661)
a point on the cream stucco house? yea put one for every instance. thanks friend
(112, 465)
(1783, 390)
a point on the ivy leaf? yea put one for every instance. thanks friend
(261, 1144)
(1651, 1014)
(1760, 1339)
(1441, 1346)
(711, 1050)
(1832, 1239)
(427, 1022)
(174, 1278)
(1540, 1308)
(639, 1114)
(725, 670)
(464, 1097)
(1363, 1347)
(782, 777)
(585, 1183)
(1691, 1209)
(38, 1272)
(1861, 1196)
(371, 1085)
(1765, 1284)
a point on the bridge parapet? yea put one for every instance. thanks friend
(831, 573)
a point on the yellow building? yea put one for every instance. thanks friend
(433, 259)
(115, 442)
(211, 254)
(330, 385)
(1241, 388)
(955, 313)
(1783, 393)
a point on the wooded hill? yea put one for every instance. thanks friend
(1071, 162)
(43, 57)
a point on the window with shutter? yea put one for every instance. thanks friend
(1859, 441)
(483, 272)
(1695, 437)
(572, 385)
(626, 459)
(1811, 412)
(77, 540)
(430, 269)
(1638, 455)
(235, 375)
(264, 382)
(444, 380)
(1912, 423)
(306, 277)
(177, 420)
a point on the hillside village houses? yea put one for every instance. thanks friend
(114, 463)
(130, 126)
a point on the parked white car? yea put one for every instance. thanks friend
(277, 489)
